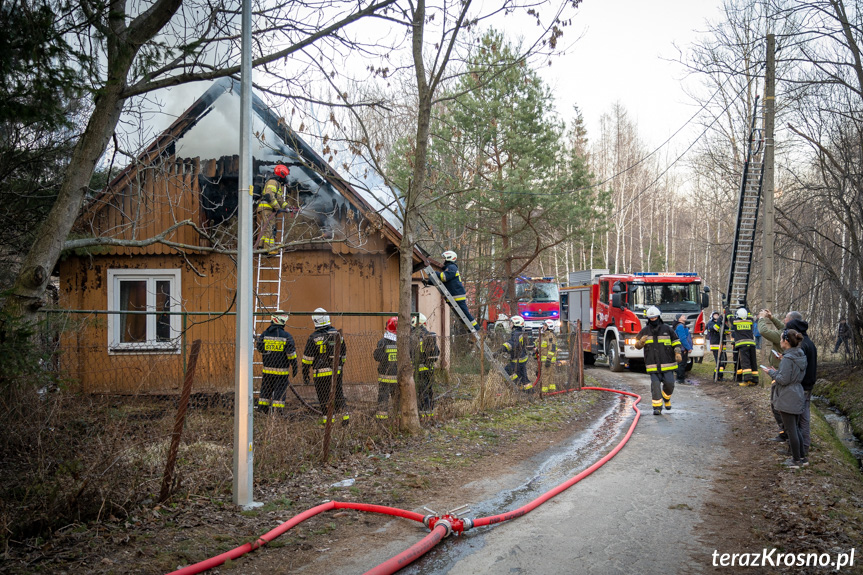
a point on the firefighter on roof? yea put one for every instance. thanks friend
(662, 353)
(744, 345)
(516, 346)
(278, 353)
(318, 359)
(386, 354)
(451, 280)
(272, 200)
(425, 353)
(547, 355)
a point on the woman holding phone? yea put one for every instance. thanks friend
(786, 394)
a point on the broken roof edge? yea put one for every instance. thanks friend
(198, 110)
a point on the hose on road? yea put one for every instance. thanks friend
(441, 527)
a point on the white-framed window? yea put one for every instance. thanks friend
(154, 291)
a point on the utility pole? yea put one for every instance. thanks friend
(768, 177)
(243, 467)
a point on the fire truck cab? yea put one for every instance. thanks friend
(612, 310)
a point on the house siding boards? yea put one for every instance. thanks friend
(310, 279)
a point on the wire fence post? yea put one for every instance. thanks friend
(579, 354)
(179, 422)
(482, 370)
(331, 402)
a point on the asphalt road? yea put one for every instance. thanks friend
(637, 514)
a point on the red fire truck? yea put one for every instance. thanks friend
(538, 300)
(612, 310)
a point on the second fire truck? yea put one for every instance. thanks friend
(612, 310)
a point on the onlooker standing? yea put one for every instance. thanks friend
(686, 342)
(843, 335)
(811, 352)
(787, 396)
(757, 335)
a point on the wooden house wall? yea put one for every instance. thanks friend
(148, 202)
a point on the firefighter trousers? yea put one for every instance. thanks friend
(267, 231)
(747, 362)
(322, 389)
(273, 390)
(719, 359)
(425, 393)
(462, 303)
(661, 388)
(386, 387)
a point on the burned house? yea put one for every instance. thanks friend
(173, 278)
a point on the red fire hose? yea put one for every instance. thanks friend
(441, 527)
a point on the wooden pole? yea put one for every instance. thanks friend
(331, 403)
(179, 422)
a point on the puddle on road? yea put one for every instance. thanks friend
(557, 465)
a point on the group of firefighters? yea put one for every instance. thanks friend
(279, 359)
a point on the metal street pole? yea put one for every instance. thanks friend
(243, 484)
(768, 181)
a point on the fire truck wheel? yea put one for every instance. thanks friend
(612, 350)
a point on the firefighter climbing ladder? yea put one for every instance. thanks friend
(435, 280)
(744, 234)
(268, 288)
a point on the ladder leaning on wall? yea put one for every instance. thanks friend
(436, 282)
(268, 291)
(744, 233)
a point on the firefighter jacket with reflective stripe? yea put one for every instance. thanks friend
(741, 330)
(424, 348)
(277, 350)
(714, 331)
(660, 347)
(516, 346)
(547, 347)
(319, 352)
(273, 196)
(386, 354)
(452, 281)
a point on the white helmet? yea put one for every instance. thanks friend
(321, 318)
(418, 320)
(279, 317)
(517, 321)
(652, 312)
(450, 256)
(549, 323)
(742, 313)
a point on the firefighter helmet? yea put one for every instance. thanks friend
(281, 171)
(450, 256)
(517, 321)
(392, 324)
(419, 320)
(549, 323)
(742, 313)
(652, 312)
(279, 317)
(321, 318)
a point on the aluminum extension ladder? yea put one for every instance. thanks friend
(268, 291)
(489, 354)
(744, 233)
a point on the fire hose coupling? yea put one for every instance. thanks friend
(429, 520)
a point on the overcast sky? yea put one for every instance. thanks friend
(623, 55)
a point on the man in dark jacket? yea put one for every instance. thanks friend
(278, 354)
(843, 335)
(516, 346)
(811, 353)
(715, 333)
(662, 354)
(451, 280)
(318, 359)
(425, 353)
(386, 354)
(686, 342)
